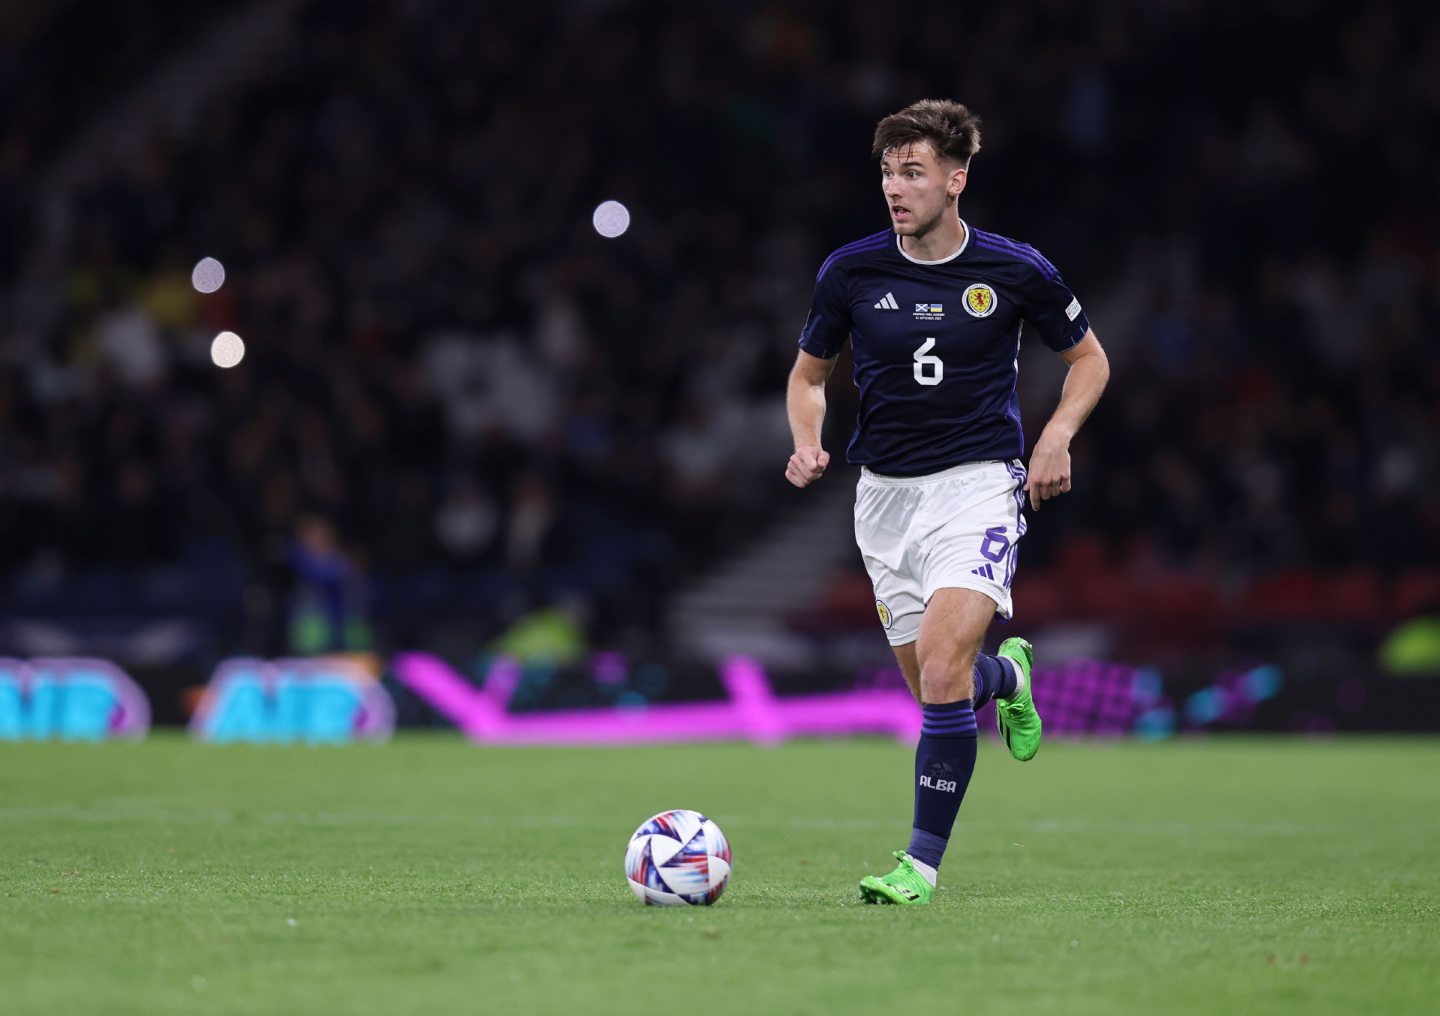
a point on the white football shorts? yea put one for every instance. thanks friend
(918, 534)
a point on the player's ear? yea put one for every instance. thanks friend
(957, 182)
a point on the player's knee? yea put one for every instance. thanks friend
(946, 667)
(948, 680)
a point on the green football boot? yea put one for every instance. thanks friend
(1017, 719)
(904, 885)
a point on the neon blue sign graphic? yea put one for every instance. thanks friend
(320, 701)
(69, 700)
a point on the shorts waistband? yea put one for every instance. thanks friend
(964, 469)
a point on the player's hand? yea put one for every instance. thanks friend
(807, 465)
(1049, 469)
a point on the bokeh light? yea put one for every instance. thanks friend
(208, 275)
(227, 350)
(611, 218)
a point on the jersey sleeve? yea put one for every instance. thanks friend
(1048, 304)
(828, 325)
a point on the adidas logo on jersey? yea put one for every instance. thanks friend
(984, 571)
(888, 303)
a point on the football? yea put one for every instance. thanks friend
(676, 859)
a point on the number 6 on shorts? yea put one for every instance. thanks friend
(995, 544)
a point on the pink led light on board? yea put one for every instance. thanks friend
(751, 712)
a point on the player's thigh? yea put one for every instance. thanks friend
(953, 630)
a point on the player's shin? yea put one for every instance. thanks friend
(944, 763)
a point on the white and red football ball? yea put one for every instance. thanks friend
(678, 858)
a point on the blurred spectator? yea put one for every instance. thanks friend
(327, 606)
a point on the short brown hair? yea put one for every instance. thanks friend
(952, 130)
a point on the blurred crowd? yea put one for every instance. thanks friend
(457, 396)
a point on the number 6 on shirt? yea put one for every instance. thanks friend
(923, 360)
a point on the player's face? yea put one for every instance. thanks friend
(918, 187)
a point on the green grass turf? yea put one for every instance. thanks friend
(430, 876)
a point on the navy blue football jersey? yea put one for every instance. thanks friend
(935, 345)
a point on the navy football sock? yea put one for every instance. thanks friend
(994, 678)
(944, 763)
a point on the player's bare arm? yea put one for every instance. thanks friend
(805, 405)
(1085, 380)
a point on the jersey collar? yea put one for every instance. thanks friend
(951, 257)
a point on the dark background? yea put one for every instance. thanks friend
(460, 405)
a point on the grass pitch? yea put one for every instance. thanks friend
(428, 875)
